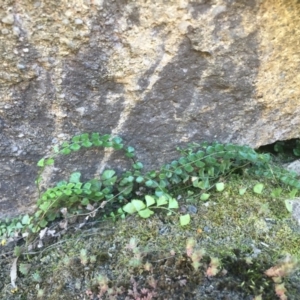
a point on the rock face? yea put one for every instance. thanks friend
(157, 73)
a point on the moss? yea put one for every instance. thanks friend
(248, 233)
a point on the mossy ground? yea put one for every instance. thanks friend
(249, 233)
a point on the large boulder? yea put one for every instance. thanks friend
(156, 73)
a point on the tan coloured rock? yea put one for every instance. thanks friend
(157, 73)
(277, 82)
(9, 19)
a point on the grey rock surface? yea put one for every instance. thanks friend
(158, 74)
(293, 166)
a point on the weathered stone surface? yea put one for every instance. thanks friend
(159, 74)
(293, 166)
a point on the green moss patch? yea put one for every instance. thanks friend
(211, 224)
(249, 233)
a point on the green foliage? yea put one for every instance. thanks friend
(36, 277)
(287, 149)
(242, 191)
(296, 150)
(24, 268)
(258, 188)
(276, 192)
(200, 167)
(17, 251)
(84, 257)
(143, 207)
(289, 205)
(220, 186)
(204, 196)
(185, 219)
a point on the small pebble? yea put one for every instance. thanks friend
(163, 230)
(271, 221)
(16, 31)
(5, 31)
(206, 229)
(192, 209)
(21, 66)
(78, 21)
(209, 289)
(9, 19)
